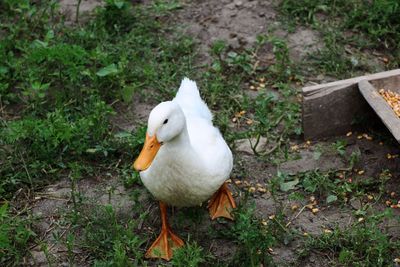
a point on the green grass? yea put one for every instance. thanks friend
(59, 85)
(73, 76)
(369, 25)
(364, 243)
(376, 19)
(332, 186)
(15, 235)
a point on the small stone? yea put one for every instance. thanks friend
(238, 3)
(361, 219)
(349, 134)
(315, 210)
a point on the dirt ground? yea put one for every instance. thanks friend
(238, 22)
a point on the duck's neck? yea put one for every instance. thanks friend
(181, 140)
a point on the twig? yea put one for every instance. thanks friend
(277, 145)
(283, 227)
(26, 170)
(279, 120)
(77, 11)
(62, 234)
(295, 217)
(46, 196)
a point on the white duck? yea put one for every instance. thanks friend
(184, 161)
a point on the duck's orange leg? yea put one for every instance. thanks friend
(166, 242)
(222, 203)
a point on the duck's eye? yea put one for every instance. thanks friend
(165, 122)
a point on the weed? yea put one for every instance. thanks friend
(369, 25)
(332, 186)
(15, 235)
(282, 69)
(108, 240)
(190, 255)
(253, 238)
(340, 147)
(364, 243)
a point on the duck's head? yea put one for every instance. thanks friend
(166, 122)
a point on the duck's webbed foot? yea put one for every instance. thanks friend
(222, 203)
(166, 242)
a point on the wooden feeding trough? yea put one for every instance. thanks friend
(332, 108)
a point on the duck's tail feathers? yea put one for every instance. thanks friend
(188, 97)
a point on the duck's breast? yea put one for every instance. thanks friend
(187, 177)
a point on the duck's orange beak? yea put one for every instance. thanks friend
(148, 153)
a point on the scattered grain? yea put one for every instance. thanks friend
(315, 210)
(393, 99)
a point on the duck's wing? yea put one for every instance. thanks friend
(188, 98)
(205, 139)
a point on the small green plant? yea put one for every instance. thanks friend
(282, 69)
(15, 235)
(332, 185)
(190, 255)
(340, 147)
(373, 25)
(107, 239)
(253, 238)
(364, 243)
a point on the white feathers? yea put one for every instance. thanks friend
(188, 97)
(191, 166)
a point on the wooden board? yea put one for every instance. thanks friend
(381, 107)
(332, 108)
